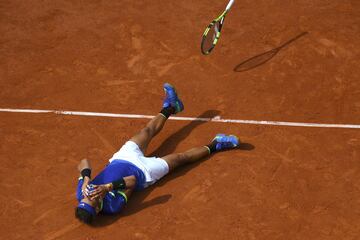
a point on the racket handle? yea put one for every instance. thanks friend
(231, 2)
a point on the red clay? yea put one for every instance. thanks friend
(111, 56)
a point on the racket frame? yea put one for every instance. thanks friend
(219, 19)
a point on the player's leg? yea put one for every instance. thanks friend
(143, 138)
(219, 143)
(171, 105)
(176, 160)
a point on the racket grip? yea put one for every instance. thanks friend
(231, 2)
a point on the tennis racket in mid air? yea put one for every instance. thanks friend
(212, 32)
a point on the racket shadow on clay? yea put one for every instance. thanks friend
(262, 58)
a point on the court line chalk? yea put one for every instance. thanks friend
(215, 119)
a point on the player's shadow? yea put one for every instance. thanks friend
(262, 58)
(137, 202)
(169, 144)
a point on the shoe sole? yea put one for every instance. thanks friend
(178, 106)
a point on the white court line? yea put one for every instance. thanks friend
(215, 119)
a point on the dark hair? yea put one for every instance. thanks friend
(83, 215)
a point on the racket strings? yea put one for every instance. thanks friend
(211, 36)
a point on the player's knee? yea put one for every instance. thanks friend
(147, 131)
(182, 157)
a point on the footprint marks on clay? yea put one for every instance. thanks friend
(329, 46)
(199, 192)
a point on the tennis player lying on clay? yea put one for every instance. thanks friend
(129, 170)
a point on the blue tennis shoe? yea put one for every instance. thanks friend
(225, 142)
(172, 99)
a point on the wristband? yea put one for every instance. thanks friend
(119, 184)
(86, 172)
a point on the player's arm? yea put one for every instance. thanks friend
(125, 185)
(84, 168)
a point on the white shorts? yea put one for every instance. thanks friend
(153, 168)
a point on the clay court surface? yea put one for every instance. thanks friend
(114, 56)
